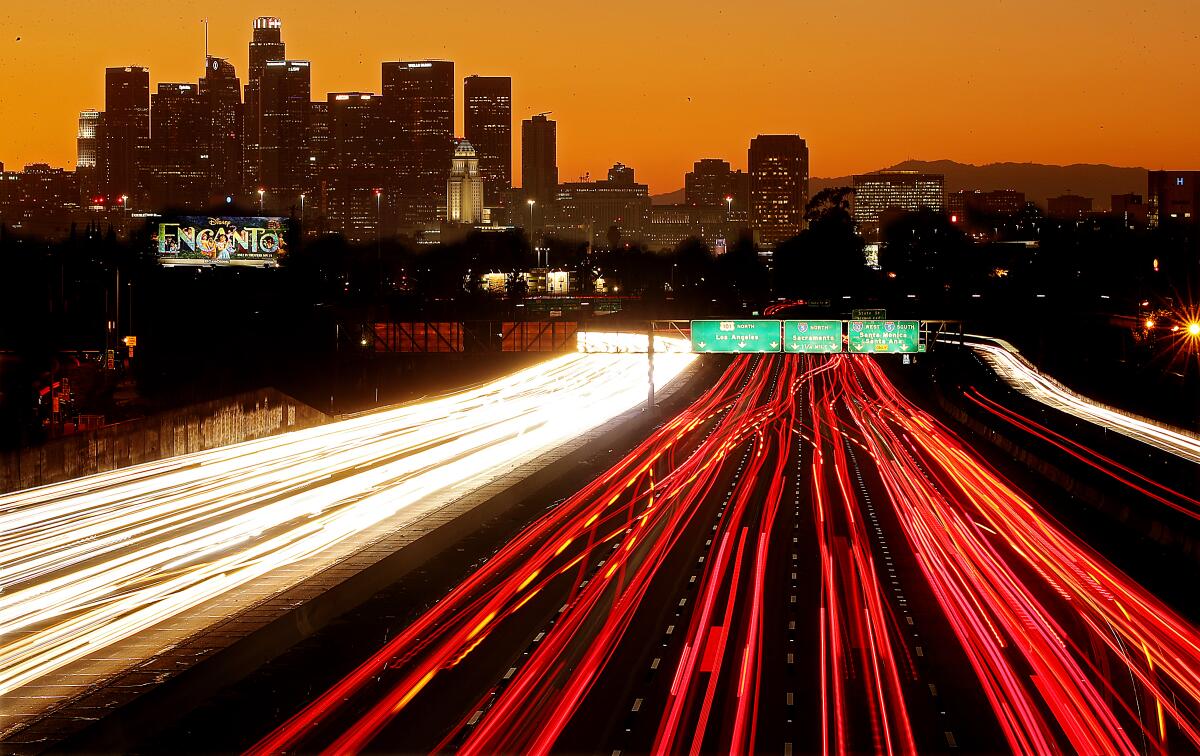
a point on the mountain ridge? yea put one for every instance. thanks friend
(1037, 180)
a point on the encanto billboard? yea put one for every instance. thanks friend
(219, 240)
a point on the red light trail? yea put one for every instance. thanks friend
(1070, 654)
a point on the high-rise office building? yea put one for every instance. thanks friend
(419, 103)
(87, 154)
(465, 187)
(85, 141)
(315, 206)
(266, 44)
(539, 159)
(1173, 197)
(712, 183)
(354, 163)
(125, 147)
(778, 167)
(178, 176)
(488, 126)
(222, 128)
(907, 191)
(284, 149)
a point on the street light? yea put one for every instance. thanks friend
(728, 206)
(1193, 328)
(378, 238)
(378, 212)
(261, 193)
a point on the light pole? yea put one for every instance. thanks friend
(261, 193)
(378, 237)
(728, 206)
(302, 196)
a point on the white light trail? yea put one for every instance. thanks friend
(92, 561)
(1003, 358)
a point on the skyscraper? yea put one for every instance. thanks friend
(178, 177)
(419, 102)
(87, 153)
(778, 166)
(354, 163)
(126, 134)
(711, 182)
(539, 159)
(266, 44)
(286, 114)
(488, 126)
(222, 127)
(464, 188)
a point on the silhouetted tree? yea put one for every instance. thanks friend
(825, 259)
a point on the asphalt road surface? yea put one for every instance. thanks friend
(803, 560)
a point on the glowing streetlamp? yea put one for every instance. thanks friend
(261, 193)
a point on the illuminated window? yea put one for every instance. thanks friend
(1179, 181)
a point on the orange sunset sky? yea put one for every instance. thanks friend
(658, 84)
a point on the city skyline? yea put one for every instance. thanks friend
(672, 112)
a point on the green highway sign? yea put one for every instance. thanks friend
(884, 336)
(869, 313)
(735, 336)
(812, 336)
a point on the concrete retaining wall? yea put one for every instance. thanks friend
(1143, 524)
(199, 427)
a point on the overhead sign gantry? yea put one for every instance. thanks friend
(858, 336)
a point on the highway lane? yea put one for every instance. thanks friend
(599, 551)
(802, 560)
(87, 563)
(657, 635)
(1026, 378)
(1072, 654)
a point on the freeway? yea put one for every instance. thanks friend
(95, 561)
(802, 560)
(1023, 376)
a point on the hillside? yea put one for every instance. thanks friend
(1038, 181)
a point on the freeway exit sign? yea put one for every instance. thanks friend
(884, 336)
(812, 336)
(735, 336)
